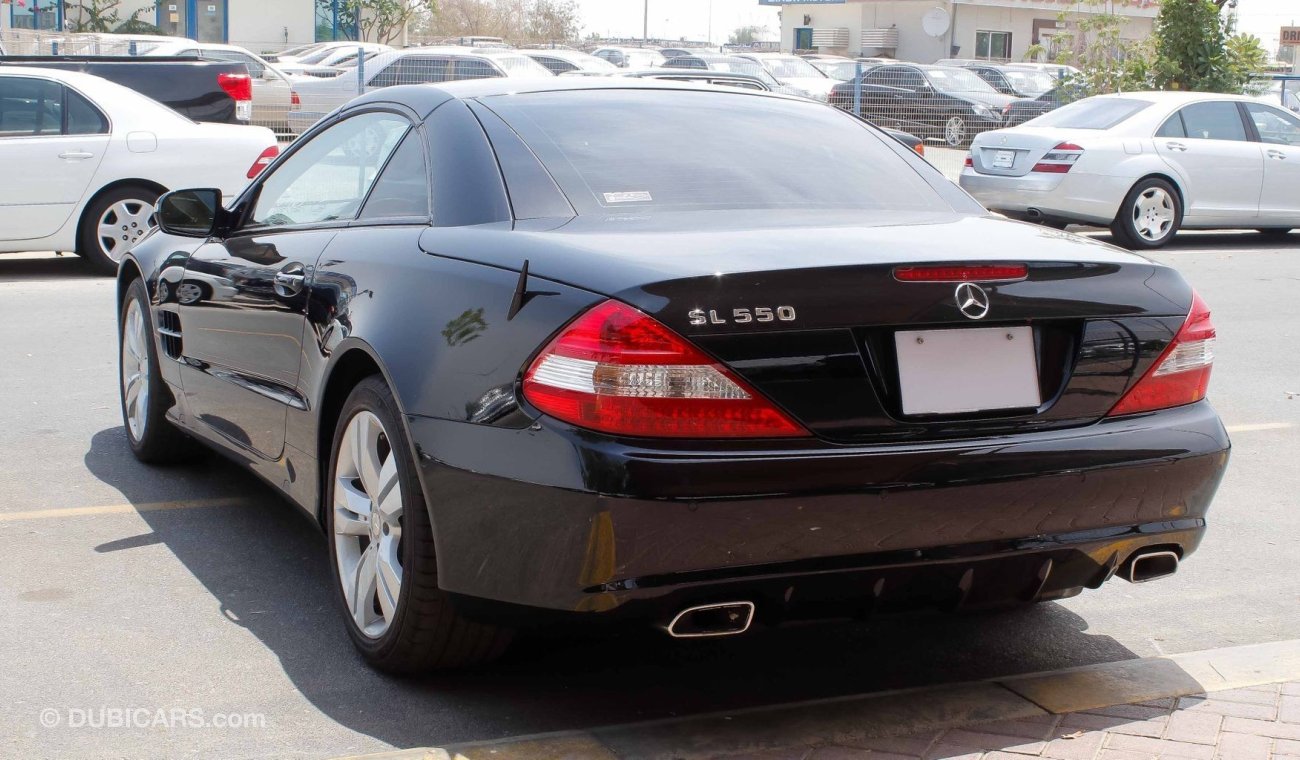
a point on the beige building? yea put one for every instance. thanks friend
(927, 30)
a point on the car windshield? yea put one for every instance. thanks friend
(318, 56)
(300, 49)
(592, 63)
(790, 67)
(741, 66)
(606, 162)
(521, 66)
(638, 59)
(958, 81)
(1031, 83)
(844, 71)
(1092, 113)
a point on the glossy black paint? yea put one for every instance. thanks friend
(903, 96)
(185, 85)
(533, 513)
(1024, 109)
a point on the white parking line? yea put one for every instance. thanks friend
(1260, 426)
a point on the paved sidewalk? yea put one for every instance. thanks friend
(1255, 723)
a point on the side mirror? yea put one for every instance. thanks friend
(190, 213)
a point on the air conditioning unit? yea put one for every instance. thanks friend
(829, 37)
(880, 38)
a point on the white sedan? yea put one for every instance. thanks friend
(1146, 164)
(84, 160)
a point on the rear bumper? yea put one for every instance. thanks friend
(562, 520)
(1079, 198)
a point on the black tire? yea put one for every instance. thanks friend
(425, 632)
(1125, 228)
(159, 442)
(89, 246)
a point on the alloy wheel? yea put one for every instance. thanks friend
(368, 524)
(1153, 214)
(121, 225)
(954, 131)
(135, 369)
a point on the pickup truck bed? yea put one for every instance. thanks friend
(186, 85)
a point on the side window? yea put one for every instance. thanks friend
(1274, 126)
(30, 107)
(420, 69)
(557, 66)
(386, 77)
(402, 189)
(83, 117)
(1173, 127)
(469, 68)
(1213, 121)
(328, 178)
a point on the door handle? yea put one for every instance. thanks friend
(76, 155)
(1279, 155)
(289, 280)
(1176, 146)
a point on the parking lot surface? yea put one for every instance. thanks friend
(196, 589)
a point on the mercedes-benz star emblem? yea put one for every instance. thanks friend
(972, 300)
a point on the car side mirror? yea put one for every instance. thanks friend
(190, 213)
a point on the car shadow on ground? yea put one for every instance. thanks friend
(44, 267)
(267, 566)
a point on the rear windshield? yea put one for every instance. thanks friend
(633, 150)
(1093, 113)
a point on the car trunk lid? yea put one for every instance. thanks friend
(1015, 152)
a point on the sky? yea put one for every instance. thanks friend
(674, 19)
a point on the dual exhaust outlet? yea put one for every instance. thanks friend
(734, 618)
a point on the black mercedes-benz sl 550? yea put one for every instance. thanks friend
(652, 351)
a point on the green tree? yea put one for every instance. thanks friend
(746, 35)
(1094, 44)
(1197, 49)
(385, 20)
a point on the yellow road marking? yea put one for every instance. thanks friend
(117, 509)
(1260, 426)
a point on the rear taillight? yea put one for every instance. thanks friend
(976, 273)
(970, 161)
(920, 149)
(263, 161)
(1182, 373)
(294, 99)
(1060, 159)
(617, 370)
(237, 86)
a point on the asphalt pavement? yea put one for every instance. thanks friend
(196, 604)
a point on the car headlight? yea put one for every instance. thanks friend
(983, 111)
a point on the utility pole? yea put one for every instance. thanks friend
(645, 23)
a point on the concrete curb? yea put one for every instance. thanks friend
(845, 720)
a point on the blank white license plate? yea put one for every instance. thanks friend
(1004, 159)
(967, 370)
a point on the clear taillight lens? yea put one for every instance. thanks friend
(1059, 160)
(1182, 373)
(619, 371)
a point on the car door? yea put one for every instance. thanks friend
(243, 299)
(884, 99)
(1221, 170)
(53, 138)
(1278, 133)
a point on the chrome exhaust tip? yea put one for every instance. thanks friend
(711, 620)
(1151, 566)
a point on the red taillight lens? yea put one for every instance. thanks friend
(1059, 160)
(970, 161)
(981, 273)
(294, 99)
(237, 86)
(263, 161)
(617, 370)
(920, 149)
(1182, 373)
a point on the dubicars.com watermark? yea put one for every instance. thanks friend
(171, 718)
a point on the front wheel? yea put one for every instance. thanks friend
(381, 544)
(1150, 215)
(112, 223)
(954, 132)
(153, 438)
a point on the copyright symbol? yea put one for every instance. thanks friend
(49, 717)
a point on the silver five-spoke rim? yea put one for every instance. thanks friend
(1153, 214)
(368, 523)
(122, 225)
(954, 131)
(135, 369)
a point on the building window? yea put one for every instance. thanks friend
(36, 14)
(336, 20)
(993, 45)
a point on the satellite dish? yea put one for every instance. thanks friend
(935, 22)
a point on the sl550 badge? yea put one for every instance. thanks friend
(742, 316)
